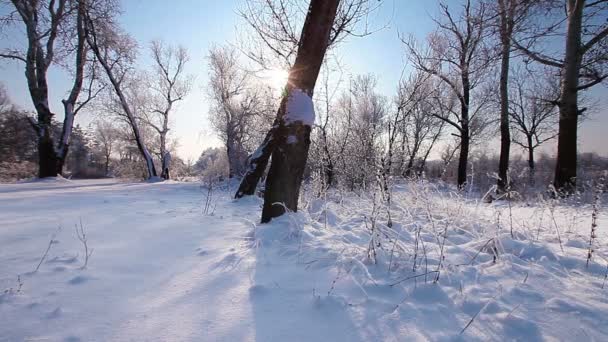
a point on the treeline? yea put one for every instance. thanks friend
(508, 69)
(511, 69)
(102, 149)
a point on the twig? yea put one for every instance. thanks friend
(48, 248)
(412, 277)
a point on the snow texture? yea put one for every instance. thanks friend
(300, 108)
(162, 271)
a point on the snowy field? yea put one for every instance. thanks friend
(448, 268)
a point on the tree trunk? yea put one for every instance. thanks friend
(464, 132)
(66, 133)
(464, 158)
(531, 163)
(47, 159)
(257, 164)
(91, 38)
(565, 169)
(163, 152)
(505, 135)
(328, 164)
(290, 155)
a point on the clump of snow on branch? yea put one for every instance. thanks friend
(300, 108)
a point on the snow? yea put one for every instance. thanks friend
(300, 108)
(292, 139)
(163, 271)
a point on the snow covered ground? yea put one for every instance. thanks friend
(448, 268)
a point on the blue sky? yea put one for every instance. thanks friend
(198, 24)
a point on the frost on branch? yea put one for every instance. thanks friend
(300, 108)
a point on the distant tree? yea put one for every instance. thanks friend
(533, 116)
(54, 30)
(168, 85)
(419, 130)
(582, 64)
(115, 52)
(510, 15)
(106, 136)
(236, 106)
(18, 146)
(457, 56)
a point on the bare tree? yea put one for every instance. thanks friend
(168, 85)
(582, 64)
(457, 56)
(276, 25)
(419, 129)
(533, 117)
(289, 139)
(510, 15)
(49, 27)
(107, 137)
(235, 105)
(115, 51)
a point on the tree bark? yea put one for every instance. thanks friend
(531, 163)
(465, 138)
(257, 164)
(506, 27)
(565, 169)
(290, 155)
(463, 159)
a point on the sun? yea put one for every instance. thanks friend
(276, 78)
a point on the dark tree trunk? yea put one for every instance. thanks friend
(531, 163)
(47, 158)
(289, 157)
(410, 165)
(327, 162)
(464, 158)
(506, 26)
(565, 169)
(464, 132)
(257, 164)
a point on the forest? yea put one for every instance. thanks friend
(324, 202)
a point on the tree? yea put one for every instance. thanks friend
(289, 139)
(419, 129)
(106, 136)
(510, 14)
(17, 141)
(276, 24)
(235, 105)
(169, 85)
(274, 27)
(533, 116)
(296, 113)
(47, 25)
(582, 64)
(115, 51)
(458, 57)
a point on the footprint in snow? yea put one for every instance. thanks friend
(64, 259)
(59, 269)
(77, 280)
(55, 313)
(257, 290)
(72, 339)
(32, 305)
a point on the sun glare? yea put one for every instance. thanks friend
(277, 78)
